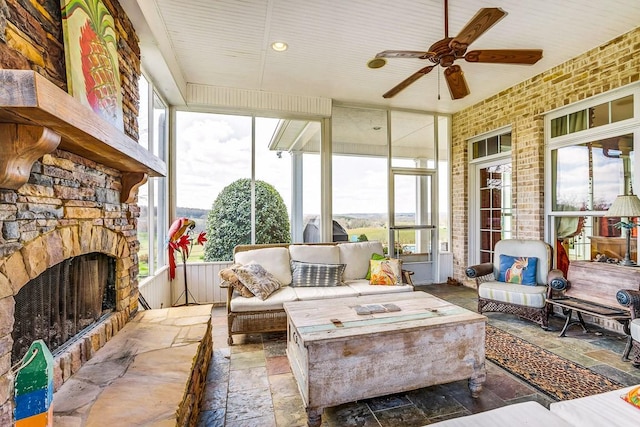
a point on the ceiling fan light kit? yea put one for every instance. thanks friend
(446, 51)
(376, 63)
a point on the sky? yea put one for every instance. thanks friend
(214, 150)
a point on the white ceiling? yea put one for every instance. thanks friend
(226, 43)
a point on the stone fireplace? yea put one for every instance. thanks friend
(68, 183)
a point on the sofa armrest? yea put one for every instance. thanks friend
(480, 270)
(229, 287)
(406, 277)
(556, 280)
(630, 298)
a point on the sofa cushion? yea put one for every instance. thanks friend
(313, 274)
(529, 296)
(356, 256)
(320, 254)
(518, 269)
(275, 260)
(603, 409)
(230, 276)
(386, 272)
(375, 257)
(363, 287)
(259, 281)
(318, 292)
(518, 414)
(274, 302)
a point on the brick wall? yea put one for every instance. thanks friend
(610, 66)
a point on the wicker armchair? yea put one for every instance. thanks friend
(631, 298)
(528, 302)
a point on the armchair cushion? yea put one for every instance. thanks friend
(528, 296)
(518, 269)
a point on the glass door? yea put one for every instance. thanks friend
(412, 233)
(493, 207)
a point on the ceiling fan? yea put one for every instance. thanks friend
(446, 51)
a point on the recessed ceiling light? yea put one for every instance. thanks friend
(376, 63)
(279, 46)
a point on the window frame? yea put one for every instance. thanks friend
(627, 126)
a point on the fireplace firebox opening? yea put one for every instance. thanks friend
(65, 300)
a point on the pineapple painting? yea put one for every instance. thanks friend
(92, 57)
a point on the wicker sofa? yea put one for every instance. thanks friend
(246, 315)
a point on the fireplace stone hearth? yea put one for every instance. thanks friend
(69, 207)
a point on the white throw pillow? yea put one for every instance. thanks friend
(357, 255)
(275, 260)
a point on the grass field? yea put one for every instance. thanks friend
(406, 237)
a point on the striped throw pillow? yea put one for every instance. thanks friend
(307, 274)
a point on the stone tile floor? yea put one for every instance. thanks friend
(250, 383)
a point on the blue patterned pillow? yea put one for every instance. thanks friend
(519, 270)
(307, 274)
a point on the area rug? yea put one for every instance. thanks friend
(555, 376)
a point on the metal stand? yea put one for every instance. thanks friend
(186, 292)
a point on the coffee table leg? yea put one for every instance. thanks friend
(476, 381)
(314, 417)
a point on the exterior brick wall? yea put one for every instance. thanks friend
(610, 66)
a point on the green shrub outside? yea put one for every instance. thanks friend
(229, 221)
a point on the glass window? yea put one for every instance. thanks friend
(212, 152)
(599, 115)
(412, 138)
(500, 143)
(622, 109)
(589, 176)
(559, 126)
(143, 112)
(360, 174)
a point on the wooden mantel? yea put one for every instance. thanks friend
(36, 117)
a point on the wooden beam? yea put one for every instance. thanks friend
(28, 98)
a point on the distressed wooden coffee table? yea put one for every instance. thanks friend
(338, 356)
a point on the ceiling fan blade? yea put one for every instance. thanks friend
(484, 19)
(455, 80)
(406, 82)
(404, 54)
(505, 56)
